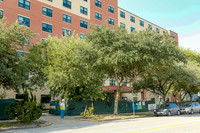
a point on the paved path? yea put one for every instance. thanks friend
(173, 124)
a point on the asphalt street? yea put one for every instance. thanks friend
(172, 124)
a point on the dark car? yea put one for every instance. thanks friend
(190, 108)
(167, 110)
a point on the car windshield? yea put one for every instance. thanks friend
(164, 106)
(186, 105)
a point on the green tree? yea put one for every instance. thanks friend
(68, 69)
(164, 80)
(125, 56)
(34, 62)
(189, 83)
(12, 67)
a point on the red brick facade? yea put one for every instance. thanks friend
(104, 12)
(11, 12)
(174, 35)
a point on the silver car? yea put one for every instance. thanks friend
(190, 108)
(168, 110)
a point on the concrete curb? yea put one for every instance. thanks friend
(115, 119)
(45, 124)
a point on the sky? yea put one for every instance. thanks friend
(180, 16)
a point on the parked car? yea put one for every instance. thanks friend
(167, 110)
(190, 108)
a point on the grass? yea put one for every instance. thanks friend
(114, 117)
(15, 124)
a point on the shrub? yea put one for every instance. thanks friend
(89, 112)
(24, 111)
(198, 100)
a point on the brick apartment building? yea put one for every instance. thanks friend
(60, 17)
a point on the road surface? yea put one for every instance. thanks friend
(172, 124)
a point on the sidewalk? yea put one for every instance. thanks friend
(71, 120)
(56, 120)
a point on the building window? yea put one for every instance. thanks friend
(132, 19)
(67, 32)
(20, 96)
(47, 27)
(83, 10)
(50, 0)
(157, 30)
(172, 35)
(122, 14)
(45, 98)
(98, 16)
(122, 25)
(67, 3)
(43, 40)
(98, 3)
(24, 21)
(20, 53)
(132, 29)
(150, 27)
(141, 23)
(112, 82)
(135, 99)
(124, 98)
(1, 0)
(102, 83)
(98, 27)
(26, 76)
(67, 18)
(85, 0)
(83, 24)
(123, 83)
(111, 21)
(24, 4)
(164, 32)
(47, 12)
(111, 9)
(81, 36)
(1, 13)
(153, 99)
(27, 42)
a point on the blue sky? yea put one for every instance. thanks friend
(180, 16)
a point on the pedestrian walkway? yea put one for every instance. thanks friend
(56, 120)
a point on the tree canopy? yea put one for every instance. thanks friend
(125, 56)
(68, 68)
(12, 69)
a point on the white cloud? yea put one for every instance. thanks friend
(191, 41)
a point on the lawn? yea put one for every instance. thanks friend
(15, 124)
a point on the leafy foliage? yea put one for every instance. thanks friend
(125, 57)
(89, 112)
(162, 80)
(12, 69)
(173, 79)
(24, 111)
(65, 63)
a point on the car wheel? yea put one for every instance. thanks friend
(191, 112)
(169, 113)
(178, 113)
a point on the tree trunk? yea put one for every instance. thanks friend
(191, 97)
(174, 95)
(116, 103)
(164, 99)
